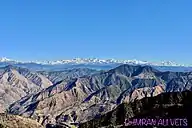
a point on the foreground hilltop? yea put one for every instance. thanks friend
(172, 105)
(84, 98)
(13, 121)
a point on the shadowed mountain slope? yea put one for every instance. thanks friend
(172, 105)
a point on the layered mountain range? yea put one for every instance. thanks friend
(16, 82)
(86, 97)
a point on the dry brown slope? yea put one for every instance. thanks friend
(13, 121)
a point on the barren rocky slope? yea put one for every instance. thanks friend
(16, 83)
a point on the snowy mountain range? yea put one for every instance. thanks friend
(93, 61)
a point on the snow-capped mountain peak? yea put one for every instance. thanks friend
(95, 61)
(4, 59)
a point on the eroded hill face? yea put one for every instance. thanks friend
(16, 83)
(81, 99)
(172, 105)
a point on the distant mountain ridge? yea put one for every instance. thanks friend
(95, 61)
(92, 63)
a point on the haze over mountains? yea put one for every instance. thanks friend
(93, 63)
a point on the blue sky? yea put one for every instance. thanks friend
(152, 30)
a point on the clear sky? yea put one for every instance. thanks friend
(152, 30)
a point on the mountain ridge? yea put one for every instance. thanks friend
(96, 61)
